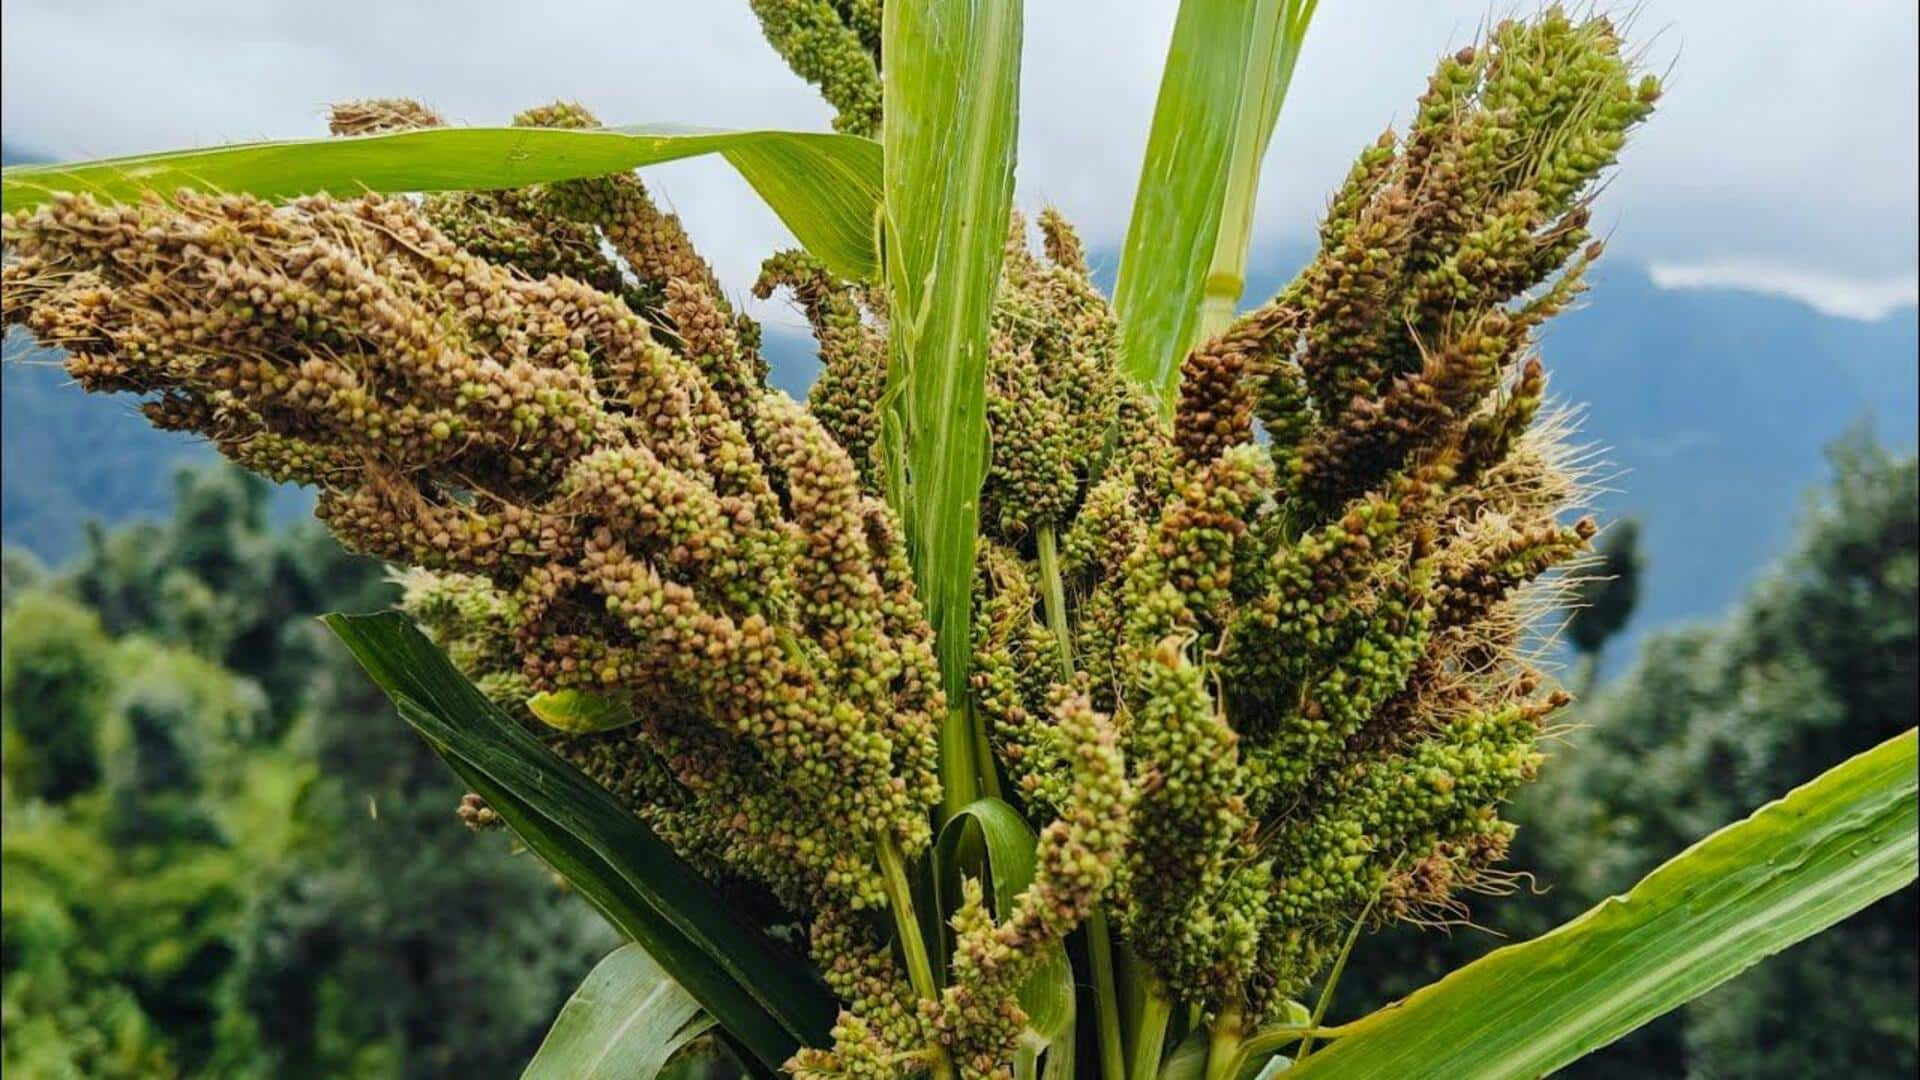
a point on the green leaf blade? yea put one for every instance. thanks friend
(765, 998)
(824, 187)
(951, 107)
(624, 1022)
(1220, 96)
(577, 712)
(1796, 866)
(1008, 851)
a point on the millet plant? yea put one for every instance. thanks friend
(1066, 685)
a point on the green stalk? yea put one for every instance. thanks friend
(893, 876)
(1150, 1030)
(1223, 1043)
(1026, 1062)
(1279, 27)
(1054, 597)
(989, 776)
(1060, 1055)
(1113, 1061)
(959, 758)
(1333, 979)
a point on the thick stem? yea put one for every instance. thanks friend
(1150, 1030)
(959, 761)
(1218, 306)
(1113, 1060)
(1223, 1043)
(989, 776)
(1060, 1053)
(893, 876)
(1026, 1062)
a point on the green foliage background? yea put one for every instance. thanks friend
(223, 855)
(1819, 662)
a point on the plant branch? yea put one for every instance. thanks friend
(1026, 1062)
(893, 873)
(1333, 978)
(1223, 1043)
(1054, 596)
(959, 763)
(1113, 1061)
(1150, 1030)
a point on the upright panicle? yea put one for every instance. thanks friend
(1361, 621)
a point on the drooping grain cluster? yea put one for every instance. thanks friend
(1325, 631)
(608, 513)
(835, 45)
(538, 401)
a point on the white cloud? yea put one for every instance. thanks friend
(1840, 295)
(1783, 142)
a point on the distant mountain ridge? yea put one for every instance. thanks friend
(1712, 406)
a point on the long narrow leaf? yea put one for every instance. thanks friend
(623, 1023)
(952, 98)
(765, 998)
(1279, 30)
(825, 187)
(1188, 1060)
(1796, 867)
(1008, 844)
(1225, 78)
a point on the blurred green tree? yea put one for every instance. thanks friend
(236, 795)
(1603, 600)
(126, 899)
(20, 570)
(54, 686)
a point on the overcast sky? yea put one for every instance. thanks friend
(1783, 158)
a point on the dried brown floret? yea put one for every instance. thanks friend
(372, 116)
